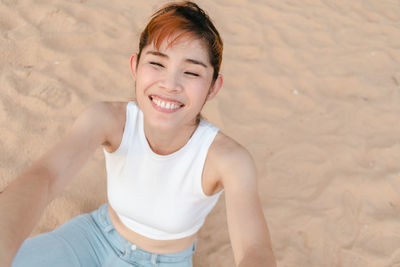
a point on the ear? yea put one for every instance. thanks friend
(214, 89)
(133, 64)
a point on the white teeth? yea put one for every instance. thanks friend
(166, 105)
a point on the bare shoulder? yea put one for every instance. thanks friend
(103, 119)
(230, 151)
(106, 110)
(233, 161)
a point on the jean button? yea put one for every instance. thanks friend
(133, 247)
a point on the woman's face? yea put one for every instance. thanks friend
(174, 82)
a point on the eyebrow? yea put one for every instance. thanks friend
(189, 60)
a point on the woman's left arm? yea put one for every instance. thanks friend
(248, 228)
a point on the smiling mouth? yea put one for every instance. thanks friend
(164, 104)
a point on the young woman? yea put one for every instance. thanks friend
(166, 167)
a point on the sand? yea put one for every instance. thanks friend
(312, 89)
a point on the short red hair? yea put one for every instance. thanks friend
(184, 18)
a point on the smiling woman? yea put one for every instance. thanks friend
(166, 168)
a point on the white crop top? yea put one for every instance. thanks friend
(159, 196)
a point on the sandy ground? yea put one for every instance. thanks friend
(312, 89)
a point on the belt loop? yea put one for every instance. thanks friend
(194, 245)
(154, 259)
(107, 226)
(126, 251)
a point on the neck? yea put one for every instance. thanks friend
(167, 141)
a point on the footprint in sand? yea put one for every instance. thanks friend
(52, 95)
(48, 90)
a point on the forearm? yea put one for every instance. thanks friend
(21, 205)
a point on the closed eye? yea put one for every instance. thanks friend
(156, 64)
(192, 74)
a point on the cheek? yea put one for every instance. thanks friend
(145, 77)
(199, 92)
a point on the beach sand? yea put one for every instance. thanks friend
(312, 89)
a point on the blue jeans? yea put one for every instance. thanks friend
(91, 240)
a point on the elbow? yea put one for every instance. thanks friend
(258, 258)
(41, 179)
(257, 262)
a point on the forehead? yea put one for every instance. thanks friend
(185, 46)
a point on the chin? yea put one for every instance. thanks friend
(161, 121)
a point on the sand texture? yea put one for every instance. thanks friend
(312, 89)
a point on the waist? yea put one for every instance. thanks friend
(148, 244)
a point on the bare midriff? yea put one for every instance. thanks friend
(148, 244)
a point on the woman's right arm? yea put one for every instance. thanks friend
(24, 200)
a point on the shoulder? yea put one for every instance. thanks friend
(229, 151)
(108, 109)
(102, 118)
(102, 113)
(233, 162)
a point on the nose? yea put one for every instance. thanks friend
(171, 82)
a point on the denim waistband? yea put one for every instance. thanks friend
(128, 250)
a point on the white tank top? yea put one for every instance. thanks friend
(159, 196)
